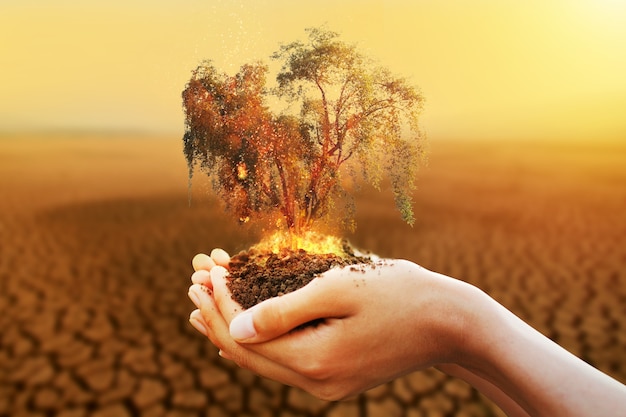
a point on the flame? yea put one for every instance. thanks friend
(312, 242)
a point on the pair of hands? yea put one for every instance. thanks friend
(376, 324)
(389, 320)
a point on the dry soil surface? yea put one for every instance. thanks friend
(97, 234)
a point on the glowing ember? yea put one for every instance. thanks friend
(312, 242)
(242, 172)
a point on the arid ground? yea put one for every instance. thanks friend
(97, 234)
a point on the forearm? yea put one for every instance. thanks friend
(536, 373)
(495, 394)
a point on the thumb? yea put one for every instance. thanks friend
(274, 317)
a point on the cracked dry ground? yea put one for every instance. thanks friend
(96, 237)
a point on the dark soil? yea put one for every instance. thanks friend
(256, 276)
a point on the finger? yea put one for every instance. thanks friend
(203, 277)
(322, 298)
(212, 319)
(197, 321)
(285, 359)
(202, 262)
(226, 305)
(196, 293)
(224, 355)
(220, 257)
(217, 332)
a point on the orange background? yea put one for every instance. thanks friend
(524, 194)
(489, 68)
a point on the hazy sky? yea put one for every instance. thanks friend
(488, 68)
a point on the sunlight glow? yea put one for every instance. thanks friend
(487, 69)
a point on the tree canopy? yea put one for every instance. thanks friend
(354, 117)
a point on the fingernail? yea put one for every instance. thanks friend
(219, 272)
(198, 294)
(197, 324)
(224, 355)
(201, 277)
(194, 296)
(242, 326)
(220, 256)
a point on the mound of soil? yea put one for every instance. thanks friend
(256, 276)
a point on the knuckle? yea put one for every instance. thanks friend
(313, 368)
(329, 392)
(237, 355)
(241, 360)
(271, 318)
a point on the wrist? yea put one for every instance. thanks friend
(463, 318)
(447, 316)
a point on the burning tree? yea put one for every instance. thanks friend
(354, 117)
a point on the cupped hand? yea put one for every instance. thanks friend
(201, 278)
(373, 324)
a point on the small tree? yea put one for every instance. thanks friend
(353, 117)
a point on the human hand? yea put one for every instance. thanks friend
(378, 322)
(202, 265)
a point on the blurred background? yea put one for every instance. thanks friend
(524, 192)
(489, 69)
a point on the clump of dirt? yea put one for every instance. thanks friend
(255, 276)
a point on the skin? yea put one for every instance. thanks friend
(443, 322)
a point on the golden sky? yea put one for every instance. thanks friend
(488, 68)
